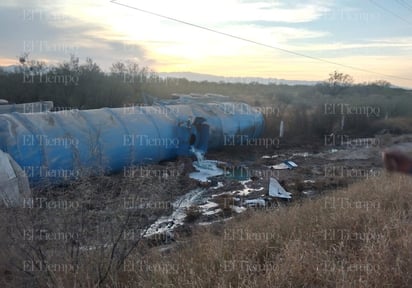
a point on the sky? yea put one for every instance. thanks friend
(298, 40)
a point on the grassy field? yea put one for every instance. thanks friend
(356, 237)
(88, 235)
(359, 236)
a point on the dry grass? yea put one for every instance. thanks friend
(79, 234)
(357, 237)
(360, 237)
(396, 125)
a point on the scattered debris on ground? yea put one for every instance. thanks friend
(165, 201)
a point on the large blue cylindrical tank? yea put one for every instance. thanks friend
(66, 144)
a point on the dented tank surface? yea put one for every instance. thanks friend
(63, 145)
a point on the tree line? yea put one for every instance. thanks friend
(86, 86)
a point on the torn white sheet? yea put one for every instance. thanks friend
(205, 170)
(283, 166)
(212, 212)
(239, 209)
(208, 206)
(302, 154)
(255, 202)
(309, 192)
(269, 157)
(219, 185)
(246, 190)
(168, 223)
(276, 190)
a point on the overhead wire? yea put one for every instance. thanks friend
(259, 43)
(390, 12)
(405, 4)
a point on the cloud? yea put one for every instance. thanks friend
(52, 37)
(189, 43)
(218, 12)
(106, 32)
(377, 46)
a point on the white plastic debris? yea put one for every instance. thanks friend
(219, 185)
(269, 157)
(168, 223)
(238, 209)
(283, 166)
(255, 202)
(309, 192)
(276, 190)
(205, 170)
(302, 154)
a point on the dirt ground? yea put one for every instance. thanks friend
(320, 169)
(143, 195)
(110, 215)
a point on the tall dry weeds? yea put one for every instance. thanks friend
(355, 237)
